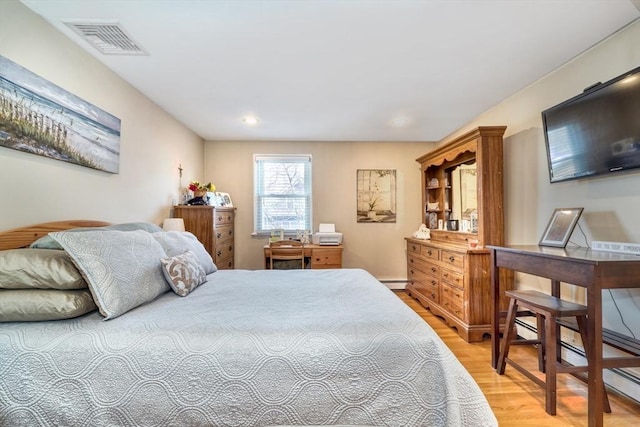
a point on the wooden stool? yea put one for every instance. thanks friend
(547, 310)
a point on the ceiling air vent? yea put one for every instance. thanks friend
(108, 38)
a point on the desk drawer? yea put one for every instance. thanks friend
(326, 258)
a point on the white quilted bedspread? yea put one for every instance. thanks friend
(249, 348)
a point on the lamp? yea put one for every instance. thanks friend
(173, 224)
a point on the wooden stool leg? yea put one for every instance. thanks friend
(541, 338)
(550, 362)
(507, 337)
(582, 328)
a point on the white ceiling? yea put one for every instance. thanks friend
(340, 70)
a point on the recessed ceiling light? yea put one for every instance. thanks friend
(250, 120)
(400, 121)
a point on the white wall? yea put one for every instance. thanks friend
(377, 247)
(36, 189)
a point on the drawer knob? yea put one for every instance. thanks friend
(411, 271)
(433, 269)
(218, 235)
(433, 282)
(433, 296)
(429, 252)
(230, 247)
(452, 258)
(219, 253)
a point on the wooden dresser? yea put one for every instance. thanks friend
(214, 227)
(444, 273)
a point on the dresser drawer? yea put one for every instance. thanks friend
(224, 250)
(430, 290)
(420, 264)
(225, 264)
(455, 278)
(420, 276)
(413, 247)
(453, 258)
(223, 217)
(453, 300)
(429, 252)
(224, 234)
(326, 258)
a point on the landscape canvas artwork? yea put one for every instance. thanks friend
(376, 193)
(38, 117)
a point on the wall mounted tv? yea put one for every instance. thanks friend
(596, 132)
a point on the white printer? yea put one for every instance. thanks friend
(327, 235)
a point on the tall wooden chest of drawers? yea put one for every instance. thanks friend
(214, 227)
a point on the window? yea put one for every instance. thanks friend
(282, 193)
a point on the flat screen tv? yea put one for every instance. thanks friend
(596, 132)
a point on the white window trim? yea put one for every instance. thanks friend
(256, 196)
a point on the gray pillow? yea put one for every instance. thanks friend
(183, 272)
(19, 305)
(38, 268)
(177, 242)
(122, 268)
(47, 242)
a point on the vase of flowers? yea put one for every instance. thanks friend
(200, 191)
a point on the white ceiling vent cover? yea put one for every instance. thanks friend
(108, 37)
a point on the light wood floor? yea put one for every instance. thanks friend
(516, 400)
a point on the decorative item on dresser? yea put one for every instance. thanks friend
(450, 274)
(214, 227)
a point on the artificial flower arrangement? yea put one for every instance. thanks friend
(196, 186)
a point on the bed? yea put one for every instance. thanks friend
(244, 348)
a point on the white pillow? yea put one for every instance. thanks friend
(183, 272)
(122, 268)
(178, 242)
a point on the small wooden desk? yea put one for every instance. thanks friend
(320, 256)
(593, 270)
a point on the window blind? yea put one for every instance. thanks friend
(282, 193)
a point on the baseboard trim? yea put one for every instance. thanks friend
(394, 284)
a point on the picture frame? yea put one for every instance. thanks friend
(560, 227)
(376, 195)
(226, 199)
(215, 200)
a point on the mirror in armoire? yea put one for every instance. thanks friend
(464, 198)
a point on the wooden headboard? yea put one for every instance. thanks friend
(24, 236)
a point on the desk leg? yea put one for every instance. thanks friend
(594, 332)
(555, 291)
(495, 311)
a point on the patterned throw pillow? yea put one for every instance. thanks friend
(183, 272)
(177, 242)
